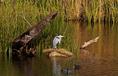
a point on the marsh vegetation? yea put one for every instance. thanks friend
(16, 16)
(77, 20)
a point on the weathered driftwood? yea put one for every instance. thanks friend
(57, 52)
(22, 45)
(89, 42)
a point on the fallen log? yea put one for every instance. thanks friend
(22, 45)
(89, 42)
(57, 52)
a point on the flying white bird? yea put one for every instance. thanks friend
(56, 40)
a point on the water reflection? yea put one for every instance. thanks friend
(99, 59)
(62, 66)
(56, 67)
(24, 67)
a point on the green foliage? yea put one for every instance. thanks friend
(16, 16)
(12, 21)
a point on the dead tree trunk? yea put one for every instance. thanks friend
(22, 45)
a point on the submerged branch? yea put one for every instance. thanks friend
(89, 42)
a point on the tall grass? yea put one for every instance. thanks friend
(101, 10)
(12, 23)
(16, 16)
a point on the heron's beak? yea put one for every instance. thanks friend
(61, 36)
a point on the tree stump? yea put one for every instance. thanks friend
(22, 45)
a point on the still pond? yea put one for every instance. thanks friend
(98, 59)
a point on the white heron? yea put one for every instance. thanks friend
(57, 40)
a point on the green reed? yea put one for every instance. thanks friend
(12, 21)
(16, 16)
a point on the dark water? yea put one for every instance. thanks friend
(98, 59)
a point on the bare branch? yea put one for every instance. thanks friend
(89, 42)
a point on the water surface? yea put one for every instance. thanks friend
(98, 59)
